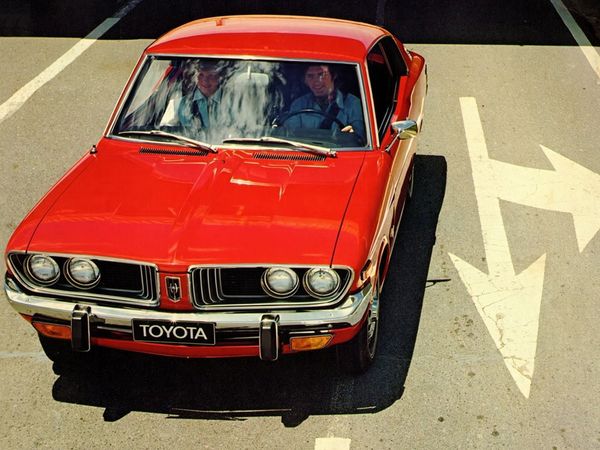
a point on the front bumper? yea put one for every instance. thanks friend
(239, 333)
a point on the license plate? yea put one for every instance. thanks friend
(167, 332)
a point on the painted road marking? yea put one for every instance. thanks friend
(18, 99)
(584, 43)
(568, 188)
(508, 303)
(332, 443)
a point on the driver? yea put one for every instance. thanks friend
(329, 100)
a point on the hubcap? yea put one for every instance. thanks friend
(373, 324)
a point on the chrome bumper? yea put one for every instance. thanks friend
(350, 312)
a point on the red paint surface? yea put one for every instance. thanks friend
(288, 37)
(224, 208)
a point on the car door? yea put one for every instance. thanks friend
(388, 76)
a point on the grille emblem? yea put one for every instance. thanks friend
(173, 288)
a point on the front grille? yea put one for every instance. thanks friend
(122, 282)
(224, 286)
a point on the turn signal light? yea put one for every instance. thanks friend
(303, 343)
(53, 330)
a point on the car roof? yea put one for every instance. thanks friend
(292, 37)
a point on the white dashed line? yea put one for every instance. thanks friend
(332, 443)
(584, 43)
(12, 105)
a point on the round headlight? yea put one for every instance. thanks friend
(82, 273)
(321, 282)
(42, 269)
(280, 282)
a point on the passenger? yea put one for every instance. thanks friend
(200, 107)
(325, 97)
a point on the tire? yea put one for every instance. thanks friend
(357, 355)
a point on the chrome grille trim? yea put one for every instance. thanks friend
(206, 290)
(149, 292)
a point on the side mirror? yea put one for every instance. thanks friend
(405, 129)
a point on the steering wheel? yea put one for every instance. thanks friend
(282, 118)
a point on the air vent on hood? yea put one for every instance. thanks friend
(172, 152)
(295, 157)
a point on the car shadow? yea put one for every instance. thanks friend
(295, 387)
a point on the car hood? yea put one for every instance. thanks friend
(233, 207)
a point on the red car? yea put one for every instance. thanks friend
(243, 201)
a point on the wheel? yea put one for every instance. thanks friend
(60, 352)
(357, 355)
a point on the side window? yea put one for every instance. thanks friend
(386, 66)
(397, 64)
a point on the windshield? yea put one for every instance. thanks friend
(211, 100)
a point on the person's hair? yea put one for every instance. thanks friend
(209, 65)
(330, 67)
(191, 68)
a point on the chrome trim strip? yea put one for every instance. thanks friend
(113, 328)
(145, 278)
(373, 112)
(124, 93)
(363, 100)
(79, 255)
(131, 82)
(350, 312)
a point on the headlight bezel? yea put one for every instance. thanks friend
(309, 288)
(267, 287)
(74, 281)
(35, 279)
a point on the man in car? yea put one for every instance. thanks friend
(330, 103)
(199, 109)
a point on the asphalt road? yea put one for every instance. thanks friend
(441, 379)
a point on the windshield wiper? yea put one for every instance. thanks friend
(297, 145)
(192, 142)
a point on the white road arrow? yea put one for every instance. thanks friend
(568, 188)
(509, 303)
